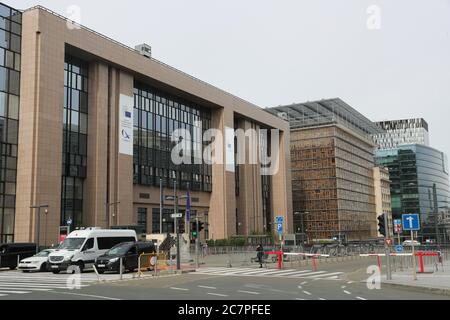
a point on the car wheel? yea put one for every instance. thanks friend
(56, 271)
(43, 267)
(101, 271)
(12, 268)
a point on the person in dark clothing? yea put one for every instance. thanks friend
(260, 254)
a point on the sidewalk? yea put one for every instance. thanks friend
(437, 282)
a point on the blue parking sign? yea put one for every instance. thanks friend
(280, 228)
(411, 222)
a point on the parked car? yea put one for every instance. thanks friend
(38, 262)
(11, 253)
(410, 243)
(82, 247)
(128, 251)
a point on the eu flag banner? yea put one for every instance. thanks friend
(188, 206)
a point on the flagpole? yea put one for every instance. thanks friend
(161, 199)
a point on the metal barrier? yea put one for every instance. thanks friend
(151, 262)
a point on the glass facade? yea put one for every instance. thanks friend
(74, 157)
(401, 132)
(156, 116)
(10, 60)
(414, 171)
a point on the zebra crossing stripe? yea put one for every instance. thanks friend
(278, 272)
(297, 272)
(14, 292)
(325, 275)
(29, 289)
(311, 274)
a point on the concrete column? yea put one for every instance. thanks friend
(222, 214)
(95, 184)
(40, 131)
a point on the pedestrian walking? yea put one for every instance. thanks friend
(260, 254)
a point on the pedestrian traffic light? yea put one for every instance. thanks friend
(181, 228)
(381, 226)
(194, 232)
(201, 226)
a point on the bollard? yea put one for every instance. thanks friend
(139, 266)
(120, 268)
(18, 261)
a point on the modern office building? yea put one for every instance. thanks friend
(92, 139)
(419, 184)
(382, 186)
(399, 132)
(332, 170)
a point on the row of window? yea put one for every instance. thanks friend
(10, 41)
(9, 80)
(10, 59)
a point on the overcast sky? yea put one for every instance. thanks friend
(274, 52)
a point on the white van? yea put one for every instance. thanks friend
(82, 247)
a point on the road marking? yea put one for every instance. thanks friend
(347, 292)
(299, 299)
(2, 295)
(296, 272)
(308, 293)
(322, 299)
(350, 282)
(300, 287)
(217, 294)
(322, 275)
(278, 272)
(343, 287)
(360, 298)
(205, 287)
(249, 292)
(181, 289)
(304, 282)
(14, 292)
(23, 288)
(85, 295)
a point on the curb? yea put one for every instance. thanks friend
(439, 291)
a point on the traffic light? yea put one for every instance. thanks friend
(181, 228)
(381, 226)
(194, 233)
(201, 226)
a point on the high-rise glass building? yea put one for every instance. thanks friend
(419, 184)
(399, 132)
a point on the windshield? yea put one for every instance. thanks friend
(117, 251)
(44, 253)
(72, 243)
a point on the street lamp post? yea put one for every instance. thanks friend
(38, 223)
(175, 207)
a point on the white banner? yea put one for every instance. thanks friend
(229, 141)
(126, 125)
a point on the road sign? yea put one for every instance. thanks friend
(389, 242)
(398, 226)
(411, 222)
(280, 228)
(69, 222)
(176, 215)
(280, 220)
(398, 248)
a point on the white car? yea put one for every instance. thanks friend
(409, 243)
(38, 262)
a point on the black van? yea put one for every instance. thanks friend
(10, 251)
(128, 251)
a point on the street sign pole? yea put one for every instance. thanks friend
(387, 249)
(413, 256)
(196, 242)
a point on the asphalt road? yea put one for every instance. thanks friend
(215, 284)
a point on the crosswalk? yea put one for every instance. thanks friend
(18, 283)
(252, 272)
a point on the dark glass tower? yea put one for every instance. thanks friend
(419, 184)
(10, 62)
